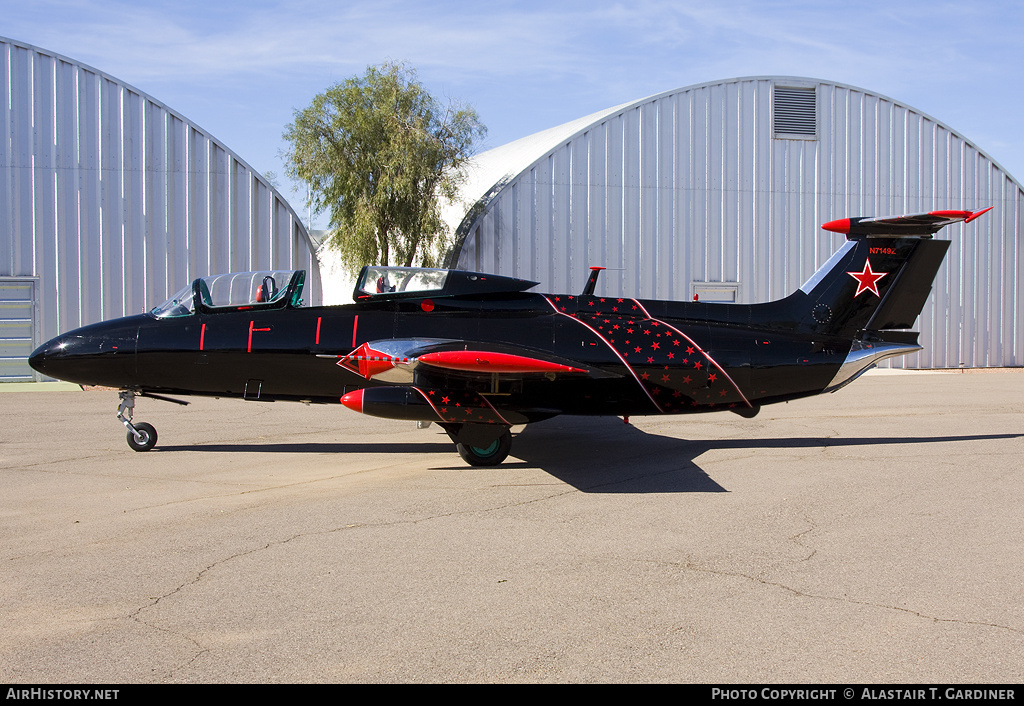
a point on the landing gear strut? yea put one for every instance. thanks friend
(141, 436)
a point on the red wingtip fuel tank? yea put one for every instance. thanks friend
(491, 362)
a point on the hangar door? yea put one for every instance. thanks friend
(17, 328)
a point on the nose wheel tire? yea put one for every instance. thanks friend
(490, 455)
(145, 439)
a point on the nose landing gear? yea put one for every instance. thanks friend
(141, 436)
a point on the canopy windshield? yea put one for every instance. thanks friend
(376, 281)
(265, 289)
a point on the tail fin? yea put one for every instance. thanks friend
(881, 278)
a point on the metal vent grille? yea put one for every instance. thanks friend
(796, 112)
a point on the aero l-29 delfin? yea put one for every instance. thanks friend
(478, 353)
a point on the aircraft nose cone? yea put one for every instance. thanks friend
(100, 354)
(43, 358)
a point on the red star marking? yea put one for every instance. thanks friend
(655, 346)
(697, 365)
(637, 349)
(687, 379)
(690, 350)
(712, 377)
(671, 356)
(664, 378)
(644, 376)
(867, 280)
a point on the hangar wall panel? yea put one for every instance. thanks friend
(114, 201)
(694, 188)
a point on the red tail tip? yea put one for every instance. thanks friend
(840, 226)
(978, 213)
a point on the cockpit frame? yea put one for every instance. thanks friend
(236, 291)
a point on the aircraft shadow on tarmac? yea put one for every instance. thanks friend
(594, 455)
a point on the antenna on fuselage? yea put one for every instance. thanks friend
(592, 282)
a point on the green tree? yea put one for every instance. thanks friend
(378, 153)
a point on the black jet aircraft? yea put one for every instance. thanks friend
(478, 353)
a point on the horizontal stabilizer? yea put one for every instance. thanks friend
(914, 225)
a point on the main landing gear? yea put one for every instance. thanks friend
(480, 444)
(141, 436)
(490, 455)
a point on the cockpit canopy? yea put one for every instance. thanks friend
(383, 281)
(266, 289)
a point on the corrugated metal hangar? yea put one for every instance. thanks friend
(720, 189)
(110, 202)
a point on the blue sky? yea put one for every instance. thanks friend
(240, 69)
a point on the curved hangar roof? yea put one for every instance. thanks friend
(720, 190)
(112, 201)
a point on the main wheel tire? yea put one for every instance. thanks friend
(148, 434)
(490, 455)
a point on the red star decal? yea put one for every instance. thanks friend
(867, 281)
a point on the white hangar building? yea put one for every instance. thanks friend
(110, 202)
(719, 190)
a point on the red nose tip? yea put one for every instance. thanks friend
(354, 401)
